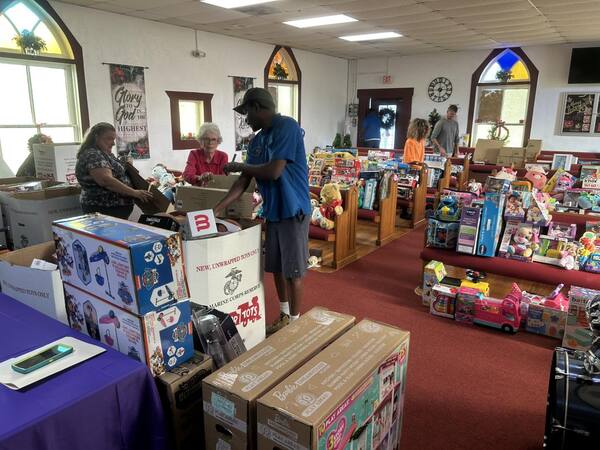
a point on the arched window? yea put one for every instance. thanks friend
(503, 93)
(43, 88)
(284, 80)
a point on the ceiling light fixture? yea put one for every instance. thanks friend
(230, 4)
(320, 21)
(371, 36)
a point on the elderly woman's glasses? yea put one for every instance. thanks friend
(210, 140)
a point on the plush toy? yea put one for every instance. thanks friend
(537, 176)
(506, 173)
(475, 187)
(524, 242)
(316, 217)
(164, 181)
(448, 209)
(331, 205)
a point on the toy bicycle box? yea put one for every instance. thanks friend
(161, 339)
(133, 266)
(349, 396)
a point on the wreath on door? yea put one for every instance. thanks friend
(387, 117)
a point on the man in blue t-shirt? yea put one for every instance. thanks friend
(277, 160)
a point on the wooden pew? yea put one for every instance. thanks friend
(343, 236)
(419, 199)
(385, 216)
(462, 179)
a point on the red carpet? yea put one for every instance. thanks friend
(467, 387)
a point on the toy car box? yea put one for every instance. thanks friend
(230, 394)
(162, 338)
(433, 273)
(133, 266)
(180, 390)
(350, 396)
(491, 224)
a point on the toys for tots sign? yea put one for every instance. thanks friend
(225, 273)
(128, 93)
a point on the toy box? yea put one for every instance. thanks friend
(473, 281)
(465, 304)
(444, 301)
(442, 234)
(56, 161)
(162, 338)
(549, 250)
(230, 394)
(537, 213)
(491, 224)
(592, 264)
(180, 390)
(590, 177)
(517, 203)
(520, 241)
(433, 273)
(497, 185)
(133, 266)
(350, 396)
(543, 318)
(578, 336)
(469, 229)
(464, 197)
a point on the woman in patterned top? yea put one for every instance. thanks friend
(105, 185)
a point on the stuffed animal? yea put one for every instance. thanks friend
(448, 209)
(164, 180)
(316, 217)
(524, 242)
(537, 176)
(475, 187)
(331, 205)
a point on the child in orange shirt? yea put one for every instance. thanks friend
(414, 147)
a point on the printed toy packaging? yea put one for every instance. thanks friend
(537, 213)
(469, 229)
(466, 300)
(491, 224)
(433, 273)
(162, 339)
(497, 185)
(442, 234)
(523, 241)
(546, 315)
(133, 266)
(348, 397)
(578, 335)
(444, 301)
(517, 203)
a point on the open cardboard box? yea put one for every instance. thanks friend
(193, 198)
(487, 151)
(39, 289)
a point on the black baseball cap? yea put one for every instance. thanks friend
(258, 95)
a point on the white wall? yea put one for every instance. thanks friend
(417, 72)
(165, 49)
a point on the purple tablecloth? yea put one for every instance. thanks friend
(107, 402)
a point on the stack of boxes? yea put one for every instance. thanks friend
(125, 285)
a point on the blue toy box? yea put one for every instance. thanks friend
(161, 339)
(133, 266)
(491, 224)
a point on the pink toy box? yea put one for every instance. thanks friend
(465, 304)
(546, 315)
(444, 301)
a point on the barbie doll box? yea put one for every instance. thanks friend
(161, 339)
(230, 394)
(349, 396)
(133, 266)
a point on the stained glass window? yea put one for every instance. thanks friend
(26, 16)
(507, 61)
(283, 67)
(283, 82)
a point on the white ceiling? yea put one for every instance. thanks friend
(427, 25)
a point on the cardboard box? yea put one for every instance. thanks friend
(56, 161)
(544, 320)
(466, 299)
(40, 289)
(161, 339)
(578, 335)
(491, 224)
(31, 213)
(504, 161)
(433, 273)
(192, 198)
(225, 272)
(469, 229)
(487, 150)
(444, 301)
(133, 266)
(230, 394)
(8, 185)
(533, 149)
(180, 390)
(350, 396)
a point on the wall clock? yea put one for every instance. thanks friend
(440, 89)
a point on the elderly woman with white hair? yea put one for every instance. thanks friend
(207, 160)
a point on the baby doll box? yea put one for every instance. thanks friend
(136, 267)
(193, 198)
(162, 339)
(349, 396)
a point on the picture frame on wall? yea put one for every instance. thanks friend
(562, 161)
(580, 114)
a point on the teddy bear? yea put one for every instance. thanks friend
(523, 242)
(331, 205)
(316, 218)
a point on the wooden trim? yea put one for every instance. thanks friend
(402, 95)
(174, 98)
(387, 214)
(298, 72)
(444, 182)
(283, 82)
(77, 55)
(344, 247)
(420, 199)
(10, 55)
(533, 79)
